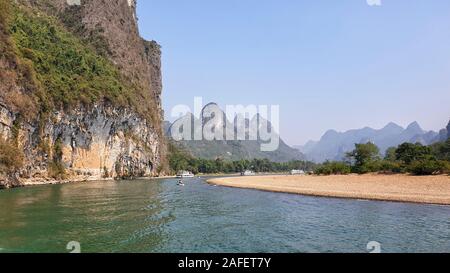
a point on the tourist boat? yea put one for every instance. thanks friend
(248, 173)
(298, 172)
(185, 174)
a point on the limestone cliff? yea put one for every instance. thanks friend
(89, 123)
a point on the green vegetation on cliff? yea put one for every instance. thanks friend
(55, 69)
(68, 71)
(11, 158)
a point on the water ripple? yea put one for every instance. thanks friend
(159, 216)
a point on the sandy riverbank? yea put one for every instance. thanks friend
(400, 188)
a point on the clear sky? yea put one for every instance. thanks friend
(328, 64)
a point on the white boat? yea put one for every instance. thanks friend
(185, 174)
(298, 172)
(248, 173)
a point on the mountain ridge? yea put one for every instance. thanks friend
(333, 144)
(230, 149)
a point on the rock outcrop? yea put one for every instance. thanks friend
(101, 140)
(448, 130)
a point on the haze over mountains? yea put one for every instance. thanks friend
(230, 149)
(333, 145)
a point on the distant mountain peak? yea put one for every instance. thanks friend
(414, 127)
(393, 125)
(330, 133)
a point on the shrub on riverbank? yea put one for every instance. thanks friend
(334, 167)
(390, 167)
(11, 157)
(429, 166)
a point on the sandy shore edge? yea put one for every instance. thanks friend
(393, 188)
(43, 182)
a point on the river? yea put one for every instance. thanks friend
(159, 216)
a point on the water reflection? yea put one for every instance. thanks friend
(98, 215)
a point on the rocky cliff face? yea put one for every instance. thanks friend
(102, 140)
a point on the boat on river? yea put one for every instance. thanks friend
(248, 173)
(185, 174)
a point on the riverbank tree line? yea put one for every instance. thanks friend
(415, 159)
(181, 160)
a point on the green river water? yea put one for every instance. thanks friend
(159, 216)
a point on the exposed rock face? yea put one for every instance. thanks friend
(100, 141)
(448, 130)
(103, 142)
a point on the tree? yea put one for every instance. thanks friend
(220, 165)
(441, 150)
(408, 152)
(364, 156)
(179, 160)
(445, 151)
(390, 154)
(428, 166)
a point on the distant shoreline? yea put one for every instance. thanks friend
(37, 183)
(395, 188)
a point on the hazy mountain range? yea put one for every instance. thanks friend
(230, 149)
(333, 145)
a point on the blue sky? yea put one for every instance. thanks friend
(328, 64)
